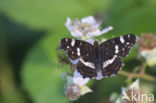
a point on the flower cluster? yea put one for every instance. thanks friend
(73, 90)
(86, 28)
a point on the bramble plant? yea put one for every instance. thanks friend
(32, 70)
(87, 29)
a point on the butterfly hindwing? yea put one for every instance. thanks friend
(86, 67)
(112, 66)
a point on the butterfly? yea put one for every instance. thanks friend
(98, 60)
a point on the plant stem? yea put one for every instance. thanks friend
(138, 75)
(143, 67)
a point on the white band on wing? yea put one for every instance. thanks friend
(106, 63)
(88, 64)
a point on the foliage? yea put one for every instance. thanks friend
(40, 72)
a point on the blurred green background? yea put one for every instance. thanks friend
(30, 31)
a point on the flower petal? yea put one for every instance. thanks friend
(95, 32)
(78, 78)
(84, 89)
(76, 33)
(69, 79)
(89, 20)
(150, 56)
(135, 85)
(107, 29)
(68, 24)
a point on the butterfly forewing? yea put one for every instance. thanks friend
(119, 46)
(75, 48)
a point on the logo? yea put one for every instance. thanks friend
(139, 97)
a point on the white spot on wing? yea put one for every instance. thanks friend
(106, 63)
(72, 61)
(66, 39)
(99, 75)
(88, 64)
(87, 54)
(78, 51)
(116, 49)
(73, 42)
(127, 43)
(122, 39)
(67, 47)
(128, 36)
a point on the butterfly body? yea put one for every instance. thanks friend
(96, 54)
(96, 48)
(98, 60)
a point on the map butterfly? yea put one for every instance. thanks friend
(98, 60)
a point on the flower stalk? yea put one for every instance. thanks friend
(136, 75)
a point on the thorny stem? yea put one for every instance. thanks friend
(141, 74)
(136, 75)
(143, 68)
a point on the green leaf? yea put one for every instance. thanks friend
(48, 14)
(42, 77)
